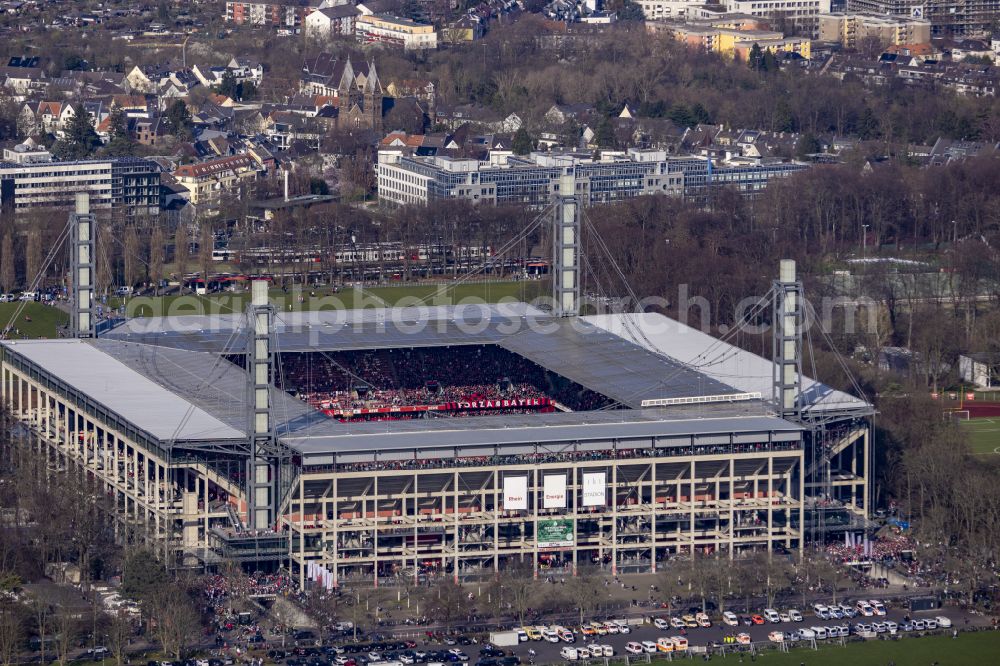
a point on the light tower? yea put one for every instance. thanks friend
(262, 465)
(566, 249)
(82, 268)
(787, 340)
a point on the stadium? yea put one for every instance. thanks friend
(380, 444)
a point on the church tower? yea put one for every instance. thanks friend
(373, 95)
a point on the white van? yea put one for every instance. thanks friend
(569, 653)
(567, 636)
(634, 648)
(771, 615)
(550, 635)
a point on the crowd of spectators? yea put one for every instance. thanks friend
(368, 379)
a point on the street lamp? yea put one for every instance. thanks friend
(864, 242)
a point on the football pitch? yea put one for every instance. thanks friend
(984, 435)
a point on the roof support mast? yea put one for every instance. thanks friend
(787, 340)
(262, 466)
(566, 249)
(82, 268)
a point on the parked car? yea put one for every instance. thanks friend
(795, 615)
(730, 618)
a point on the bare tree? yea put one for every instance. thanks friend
(41, 611)
(177, 622)
(156, 243)
(518, 587)
(132, 259)
(33, 256)
(206, 244)
(8, 273)
(182, 252)
(584, 590)
(67, 628)
(11, 632)
(120, 631)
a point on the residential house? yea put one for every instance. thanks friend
(327, 22)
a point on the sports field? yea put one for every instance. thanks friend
(984, 435)
(34, 321)
(976, 649)
(347, 298)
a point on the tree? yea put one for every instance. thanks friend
(79, 138)
(604, 133)
(206, 244)
(33, 257)
(156, 251)
(584, 590)
(229, 86)
(448, 601)
(41, 611)
(7, 268)
(517, 585)
(67, 628)
(523, 143)
(179, 119)
(182, 251)
(132, 259)
(177, 622)
(11, 632)
(143, 575)
(120, 142)
(755, 59)
(120, 632)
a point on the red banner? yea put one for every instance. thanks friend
(506, 403)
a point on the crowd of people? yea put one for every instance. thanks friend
(373, 379)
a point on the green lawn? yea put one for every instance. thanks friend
(35, 321)
(325, 299)
(984, 434)
(977, 649)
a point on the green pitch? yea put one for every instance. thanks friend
(984, 435)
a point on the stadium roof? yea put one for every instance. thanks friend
(118, 388)
(722, 361)
(215, 385)
(612, 365)
(339, 330)
(603, 430)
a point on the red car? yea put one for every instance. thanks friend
(757, 619)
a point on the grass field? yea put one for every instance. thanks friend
(35, 321)
(976, 649)
(325, 299)
(984, 436)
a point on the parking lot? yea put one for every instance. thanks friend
(467, 650)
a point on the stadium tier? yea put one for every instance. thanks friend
(444, 440)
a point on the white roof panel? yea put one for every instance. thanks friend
(721, 361)
(148, 406)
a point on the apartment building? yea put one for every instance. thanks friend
(206, 182)
(288, 16)
(969, 18)
(848, 29)
(127, 185)
(394, 31)
(789, 16)
(533, 180)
